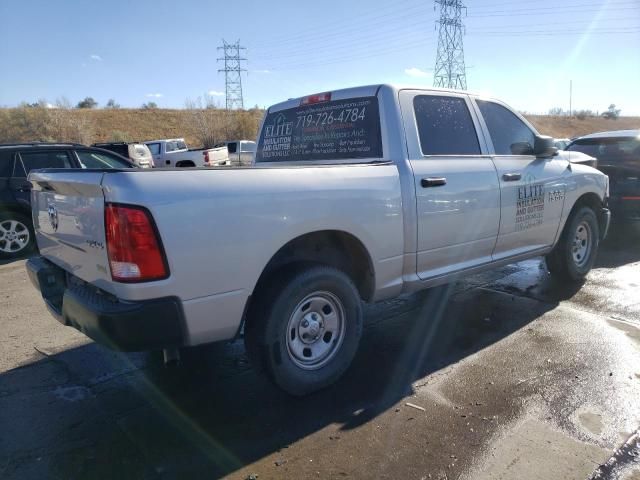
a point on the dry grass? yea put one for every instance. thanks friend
(203, 126)
(564, 127)
(89, 126)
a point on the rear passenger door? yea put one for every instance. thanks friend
(455, 181)
(532, 189)
(34, 160)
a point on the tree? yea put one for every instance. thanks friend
(149, 105)
(582, 114)
(88, 102)
(111, 104)
(556, 111)
(612, 112)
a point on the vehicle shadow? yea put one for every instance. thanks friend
(214, 414)
(7, 261)
(621, 247)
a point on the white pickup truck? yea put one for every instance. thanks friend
(234, 153)
(173, 152)
(357, 195)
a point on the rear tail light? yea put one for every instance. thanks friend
(206, 157)
(317, 98)
(133, 245)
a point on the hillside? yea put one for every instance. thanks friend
(565, 127)
(200, 127)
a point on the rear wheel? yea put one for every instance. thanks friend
(575, 253)
(16, 235)
(305, 329)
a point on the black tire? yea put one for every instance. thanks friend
(565, 260)
(271, 327)
(14, 228)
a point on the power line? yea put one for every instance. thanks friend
(449, 71)
(364, 43)
(555, 10)
(232, 73)
(338, 29)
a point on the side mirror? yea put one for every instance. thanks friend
(521, 148)
(544, 146)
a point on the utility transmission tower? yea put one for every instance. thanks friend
(232, 73)
(450, 70)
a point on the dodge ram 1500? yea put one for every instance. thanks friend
(356, 195)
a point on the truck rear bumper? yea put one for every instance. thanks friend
(120, 325)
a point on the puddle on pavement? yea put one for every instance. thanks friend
(592, 422)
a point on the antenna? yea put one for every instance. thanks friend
(232, 73)
(450, 70)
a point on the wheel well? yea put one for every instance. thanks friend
(185, 163)
(592, 201)
(329, 247)
(15, 209)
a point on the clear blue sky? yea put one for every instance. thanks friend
(523, 52)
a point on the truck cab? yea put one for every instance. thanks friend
(173, 152)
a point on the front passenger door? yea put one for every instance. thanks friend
(532, 190)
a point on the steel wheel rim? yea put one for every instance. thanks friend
(315, 330)
(581, 244)
(14, 236)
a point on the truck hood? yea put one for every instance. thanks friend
(578, 157)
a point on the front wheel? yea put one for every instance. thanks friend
(305, 329)
(574, 255)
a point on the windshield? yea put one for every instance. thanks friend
(336, 130)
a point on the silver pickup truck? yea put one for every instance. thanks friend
(356, 195)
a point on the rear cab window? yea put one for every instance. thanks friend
(346, 129)
(154, 148)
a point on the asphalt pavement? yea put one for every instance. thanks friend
(505, 375)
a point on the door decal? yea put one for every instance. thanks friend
(530, 205)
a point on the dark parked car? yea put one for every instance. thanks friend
(618, 155)
(16, 161)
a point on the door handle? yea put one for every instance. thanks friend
(433, 182)
(511, 177)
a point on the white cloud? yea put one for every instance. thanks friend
(261, 71)
(95, 57)
(153, 95)
(215, 93)
(416, 72)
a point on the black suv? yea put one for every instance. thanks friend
(618, 155)
(16, 161)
